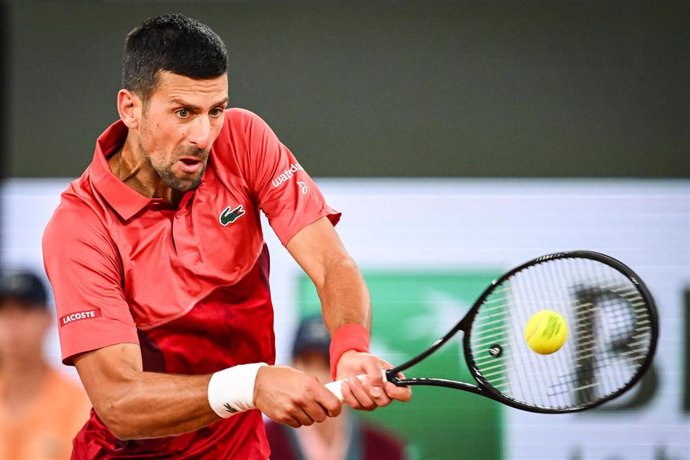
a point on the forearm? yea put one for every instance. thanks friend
(344, 295)
(135, 404)
(154, 405)
(338, 281)
(345, 301)
(346, 310)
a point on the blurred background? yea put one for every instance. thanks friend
(458, 138)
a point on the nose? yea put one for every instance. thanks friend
(200, 133)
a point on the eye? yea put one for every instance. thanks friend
(217, 112)
(182, 113)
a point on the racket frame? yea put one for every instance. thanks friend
(483, 387)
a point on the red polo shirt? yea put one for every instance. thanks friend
(188, 283)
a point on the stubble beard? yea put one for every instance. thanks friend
(165, 172)
(176, 183)
(167, 175)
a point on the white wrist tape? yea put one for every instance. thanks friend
(232, 390)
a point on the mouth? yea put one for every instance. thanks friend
(190, 165)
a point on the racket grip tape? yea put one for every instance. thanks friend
(337, 387)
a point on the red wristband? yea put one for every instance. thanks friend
(347, 337)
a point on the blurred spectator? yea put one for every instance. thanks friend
(40, 409)
(340, 438)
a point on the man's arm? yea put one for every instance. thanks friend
(135, 404)
(344, 296)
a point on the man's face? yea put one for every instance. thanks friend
(178, 126)
(22, 331)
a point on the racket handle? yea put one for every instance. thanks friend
(337, 387)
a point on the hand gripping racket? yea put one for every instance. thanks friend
(612, 335)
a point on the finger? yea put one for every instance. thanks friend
(329, 402)
(310, 404)
(299, 415)
(315, 411)
(288, 420)
(379, 395)
(397, 393)
(374, 372)
(399, 375)
(376, 382)
(356, 396)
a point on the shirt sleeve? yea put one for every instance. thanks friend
(84, 269)
(285, 192)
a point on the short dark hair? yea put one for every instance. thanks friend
(175, 43)
(311, 335)
(25, 288)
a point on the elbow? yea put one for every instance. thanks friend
(119, 421)
(120, 432)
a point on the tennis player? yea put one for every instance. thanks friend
(160, 272)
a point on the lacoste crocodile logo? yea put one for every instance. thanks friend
(228, 216)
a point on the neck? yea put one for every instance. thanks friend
(130, 166)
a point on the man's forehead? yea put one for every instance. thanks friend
(11, 304)
(172, 87)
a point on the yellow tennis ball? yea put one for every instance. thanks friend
(546, 332)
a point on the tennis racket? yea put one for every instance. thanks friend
(612, 335)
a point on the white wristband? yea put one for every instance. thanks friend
(232, 390)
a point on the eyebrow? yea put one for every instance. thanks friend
(196, 108)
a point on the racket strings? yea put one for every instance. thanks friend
(620, 345)
(609, 332)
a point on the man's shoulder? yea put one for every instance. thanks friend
(78, 209)
(77, 197)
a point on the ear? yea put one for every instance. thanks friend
(129, 107)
